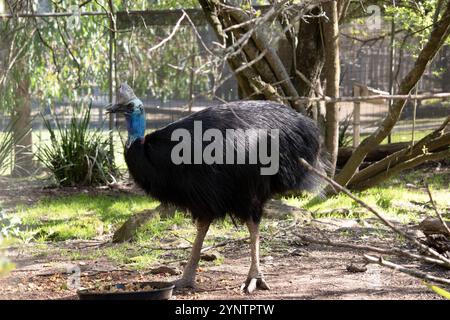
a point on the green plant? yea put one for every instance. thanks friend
(77, 154)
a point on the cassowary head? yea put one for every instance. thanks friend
(133, 109)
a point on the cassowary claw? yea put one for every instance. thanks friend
(254, 283)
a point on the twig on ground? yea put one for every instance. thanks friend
(224, 243)
(411, 272)
(94, 272)
(168, 248)
(393, 251)
(184, 238)
(217, 245)
(90, 272)
(272, 236)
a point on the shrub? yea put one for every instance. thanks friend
(77, 154)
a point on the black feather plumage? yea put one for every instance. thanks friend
(211, 191)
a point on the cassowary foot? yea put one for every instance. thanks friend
(184, 283)
(254, 283)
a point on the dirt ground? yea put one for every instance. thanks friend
(311, 272)
(294, 270)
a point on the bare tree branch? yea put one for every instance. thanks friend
(411, 272)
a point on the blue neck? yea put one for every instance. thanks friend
(135, 124)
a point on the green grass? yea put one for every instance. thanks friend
(392, 198)
(85, 216)
(431, 102)
(405, 135)
(80, 216)
(402, 136)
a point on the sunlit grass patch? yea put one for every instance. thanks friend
(392, 198)
(157, 228)
(403, 135)
(80, 216)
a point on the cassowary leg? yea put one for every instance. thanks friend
(255, 279)
(188, 278)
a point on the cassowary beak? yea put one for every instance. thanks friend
(116, 108)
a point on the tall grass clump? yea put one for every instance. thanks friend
(77, 155)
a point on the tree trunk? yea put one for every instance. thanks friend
(249, 81)
(332, 75)
(437, 37)
(23, 152)
(272, 60)
(309, 57)
(266, 78)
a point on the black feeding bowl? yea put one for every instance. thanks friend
(129, 291)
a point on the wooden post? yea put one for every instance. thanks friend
(356, 117)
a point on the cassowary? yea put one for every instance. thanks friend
(176, 170)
